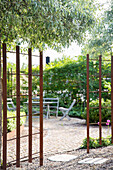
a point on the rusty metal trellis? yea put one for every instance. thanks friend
(41, 108)
(4, 107)
(18, 105)
(100, 107)
(112, 97)
(87, 103)
(18, 137)
(100, 128)
(30, 103)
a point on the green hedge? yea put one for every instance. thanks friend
(11, 123)
(94, 112)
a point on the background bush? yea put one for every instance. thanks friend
(65, 78)
(11, 123)
(94, 112)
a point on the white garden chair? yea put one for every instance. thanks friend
(65, 111)
(10, 105)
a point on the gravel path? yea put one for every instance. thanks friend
(62, 137)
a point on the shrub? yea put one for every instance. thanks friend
(94, 112)
(94, 143)
(11, 123)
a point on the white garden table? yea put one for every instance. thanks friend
(44, 103)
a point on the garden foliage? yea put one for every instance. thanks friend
(11, 123)
(66, 78)
(94, 143)
(94, 112)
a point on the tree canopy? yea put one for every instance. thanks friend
(101, 37)
(54, 23)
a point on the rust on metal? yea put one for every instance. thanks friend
(30, 102)
(17, 95)
(100, 128)
(112, 97)
(18, 106)
(41, 108)
(4, 107)
(87, 103)
(16, 116)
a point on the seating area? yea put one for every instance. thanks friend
(50, 105)
(53, 105)
(65, 111)
(10, 105)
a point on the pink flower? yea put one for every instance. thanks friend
(108, 121)
(107, 124)
(98, 123)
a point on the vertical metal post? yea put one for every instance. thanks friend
(41, 108)
(4, 107)
(30, 103)
(0, 106)
(8, 75)
(87, 103)
(100, 129)
(112, 97)
(8, 80)
(18, 106)
(11, 81)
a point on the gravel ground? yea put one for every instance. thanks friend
(62, 137)
(106, 152)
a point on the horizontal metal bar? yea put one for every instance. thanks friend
(35, 56)
(102, 76)
(16, 95)
(94, 75)
(35, 75)
(102, 138)
(11, 139)
(106, 60)
(16, 116)
(94, 107)
(98, 107)
(98, 91)
(93, 91)
(35, 153)
(22, 53)
(14, 161)
(23, 136)
(11, 52)
(24, 74)
(36, 133)
(97, 123)
(98, 60)
(19, 74)
(94, 59)
(106, 75)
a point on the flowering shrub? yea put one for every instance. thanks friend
(94, 143)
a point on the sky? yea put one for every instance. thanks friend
(73, 50)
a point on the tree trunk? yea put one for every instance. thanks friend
(0, 106)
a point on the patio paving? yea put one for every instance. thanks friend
(93, 161)
(62, 158)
